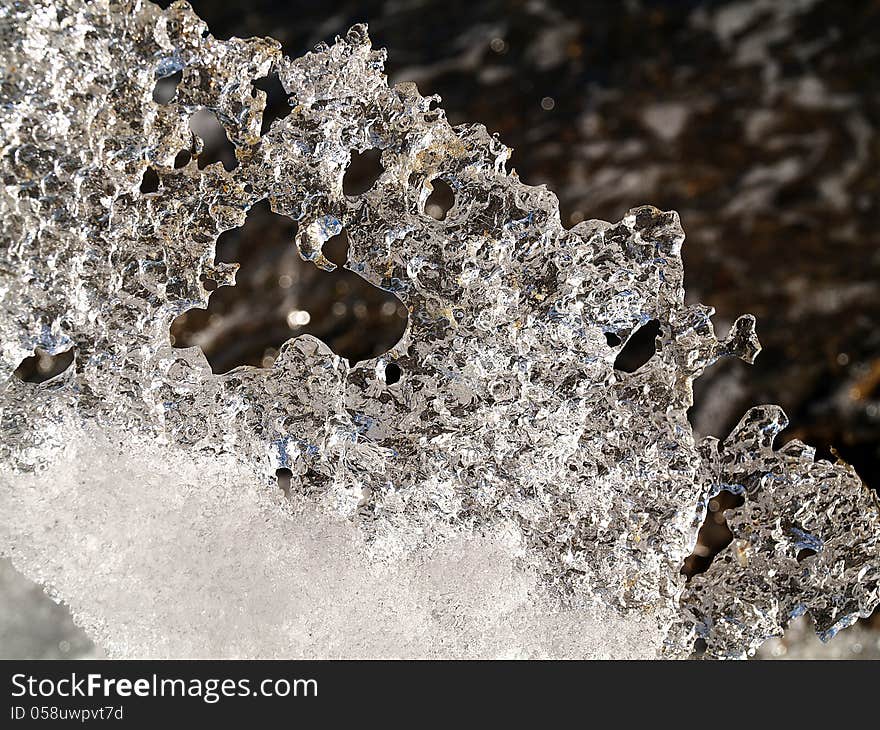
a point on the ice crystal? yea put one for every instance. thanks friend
(492, 485)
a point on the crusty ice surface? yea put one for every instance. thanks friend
(512, 495)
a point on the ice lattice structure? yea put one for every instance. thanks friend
(512, 494)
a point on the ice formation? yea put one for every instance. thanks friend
(512, 494)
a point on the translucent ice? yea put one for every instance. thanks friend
(509, 493)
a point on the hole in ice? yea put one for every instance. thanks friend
(278, 296)
(441, 199)
(182, 159)
(612, 339)
(150, 181)
(217, 147)
(804, 554)
(42, 366)
(720, 397)
(714, 535)
(336, 248)
(392, 373)
(363, 172)
(277, 105)
(639, 348)
(166, 87)
(283, 476)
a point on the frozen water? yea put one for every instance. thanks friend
(511, 493)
